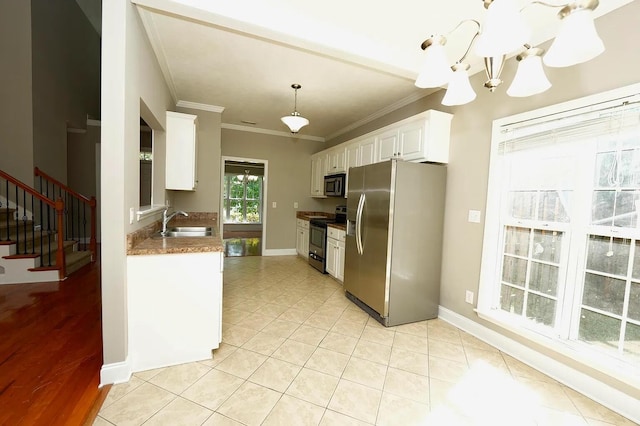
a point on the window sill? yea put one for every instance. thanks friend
(146, 211)
(609, 365)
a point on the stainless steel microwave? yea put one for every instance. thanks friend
(334, 185)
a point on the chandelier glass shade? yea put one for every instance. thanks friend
(504, 32)
(295, 121)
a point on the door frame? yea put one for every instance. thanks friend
(265, 180)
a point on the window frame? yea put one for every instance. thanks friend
(226, 199)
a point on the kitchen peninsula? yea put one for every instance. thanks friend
(174, 294)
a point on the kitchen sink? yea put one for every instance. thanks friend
(186, 231)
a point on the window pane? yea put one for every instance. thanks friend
(630, 167)
(523, 204)
(606, 169)
(606, 254)
(599, 328)
(541, 309)
(516, 241)
(544, 278)
(602, 207)
(603, 293)
(634, 302)
(253, 211)
(547, 245)
(253, 188)
(636, 262)
(514, 270)
(237, 189)
(235, 213)
(632, 341)
(511, 299)
(625, 214)
(554, 205)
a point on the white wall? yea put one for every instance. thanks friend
(130, 74)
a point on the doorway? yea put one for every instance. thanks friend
(243, 206)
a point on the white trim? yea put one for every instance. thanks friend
(600, 392)
(271, 132)
(279, 252)
(203, 107)
(149, 210)
(92, 122)
(118, 372)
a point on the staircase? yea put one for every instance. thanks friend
(41, 238)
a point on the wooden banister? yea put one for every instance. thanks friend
(60, 254)
(39, 173)
(27, 188)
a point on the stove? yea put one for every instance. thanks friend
(318, 237)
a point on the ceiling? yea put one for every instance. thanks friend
(355, 61)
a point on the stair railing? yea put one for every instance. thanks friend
(75, 212)
(27, 202)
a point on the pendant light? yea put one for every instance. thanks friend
(295, 121)
(530, 78)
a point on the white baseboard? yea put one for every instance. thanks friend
(280, 252)
(600, 392)
(118, 372)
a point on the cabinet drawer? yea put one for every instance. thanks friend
(335, 233)
(301, 223)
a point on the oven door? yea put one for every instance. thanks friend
(317, 243)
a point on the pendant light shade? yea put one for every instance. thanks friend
(504, 30)
(435, 70)
(459, 91)
(295, 121)
(530, 77)
(577, 40)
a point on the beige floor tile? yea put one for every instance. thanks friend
(293, 411)
(322, 321)
(234, 315)
(256, 321)
(180, 412)
(411, 342)
(440, 330)
(327, 361)
(592, 410)
(309, 335)
(332, 418)
(494, 359)
(551, 395)
(420, 328)
(308, 304)
(471, 341)
(447, 350)
(99, 421)
(213, 389)
(295, 352)
(382, 336)
(439, 391)
(295, 315)
(444, 369)
(339, 343)
(251, 305)
(372, 351)
(395, 410)
(330, 310)
(137, 406)
(250, 404)
(242, 363)
(177, 378)
(275, 374)
(121, 389)
(218, 419)
(413, 362)
(355, 400)
(520, 369)
(313, 386)
(348, 328)
(281, 328)
(357, 316)
(365, 373)
(550, 417)
(237, 336)
(271, 310)
(407, 385)
(147, 374)
(223, 351)
(264, 343)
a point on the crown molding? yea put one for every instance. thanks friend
(271, 132)
(203, 107)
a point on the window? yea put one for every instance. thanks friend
(561, 255)
(242, 198)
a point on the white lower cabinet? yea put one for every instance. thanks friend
(335, 252)
(302, 237)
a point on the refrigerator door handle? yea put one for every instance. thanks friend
(361, 202)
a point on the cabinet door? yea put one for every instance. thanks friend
(352, 156)
(331, 254)
(368, 152)
(181, 143)
(388, 145)
(412, 145)
(318, 170)
(337, 161)
(340, 252)
(305, 243)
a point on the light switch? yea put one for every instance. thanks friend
(132, 215)
(474, 216)
(273, 205)
(295, 204)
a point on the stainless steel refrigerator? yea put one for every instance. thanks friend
(394, 240)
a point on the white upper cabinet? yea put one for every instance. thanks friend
(368, 151)
(336, 158)
(318, 171)
(182, 148)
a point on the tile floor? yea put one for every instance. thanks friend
(295, 351)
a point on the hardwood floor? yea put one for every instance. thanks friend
(51, 351)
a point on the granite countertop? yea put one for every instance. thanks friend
(140, 242)
(342, 226)
(307, 215)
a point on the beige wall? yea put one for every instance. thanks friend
(289, 178)
(206, 197)
(66, 79)
(16, 119)
(470, 148)
(132, 85)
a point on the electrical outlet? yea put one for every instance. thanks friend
(468, 297)
(274, 205)
(474, 216)
(295, 204)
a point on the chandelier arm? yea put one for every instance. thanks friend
(472, 39)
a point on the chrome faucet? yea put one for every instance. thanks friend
(166, 219)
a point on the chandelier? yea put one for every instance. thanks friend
(295, 121)
(505, 31)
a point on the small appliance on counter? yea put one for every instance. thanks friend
(318, 238)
